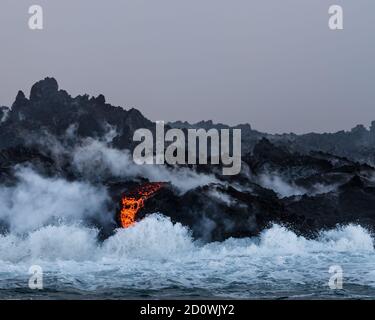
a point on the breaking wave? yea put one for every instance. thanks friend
(156, 254)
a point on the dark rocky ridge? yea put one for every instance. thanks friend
(358, 144)
(54, 111)
(331, 181)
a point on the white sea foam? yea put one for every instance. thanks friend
(156, 237)
(156, 253)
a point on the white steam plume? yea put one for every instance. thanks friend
(95, 160)
(37, 201)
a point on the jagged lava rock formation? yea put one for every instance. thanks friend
(307, 182)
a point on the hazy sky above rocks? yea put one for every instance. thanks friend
(274, 64)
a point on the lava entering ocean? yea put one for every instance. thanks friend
(134, 201)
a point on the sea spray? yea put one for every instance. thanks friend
(156, 255)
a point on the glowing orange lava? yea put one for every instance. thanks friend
(134, 201)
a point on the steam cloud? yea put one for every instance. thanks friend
(95, 160)
(286, 189)
(37, 201)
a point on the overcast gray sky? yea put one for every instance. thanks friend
(271, 63)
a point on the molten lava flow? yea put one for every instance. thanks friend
(134, 201)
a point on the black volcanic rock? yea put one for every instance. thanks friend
(352, 203)
(357, 144)
(27, 157)
(3, 113)
(100, 100)
(20, 100)
(54, 111)
(267, 158)
(332, 173)
(249, 137)
(354, 183)
(215, 212)
(266, 151)
(44, 89)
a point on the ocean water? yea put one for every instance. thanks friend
(156, 259)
